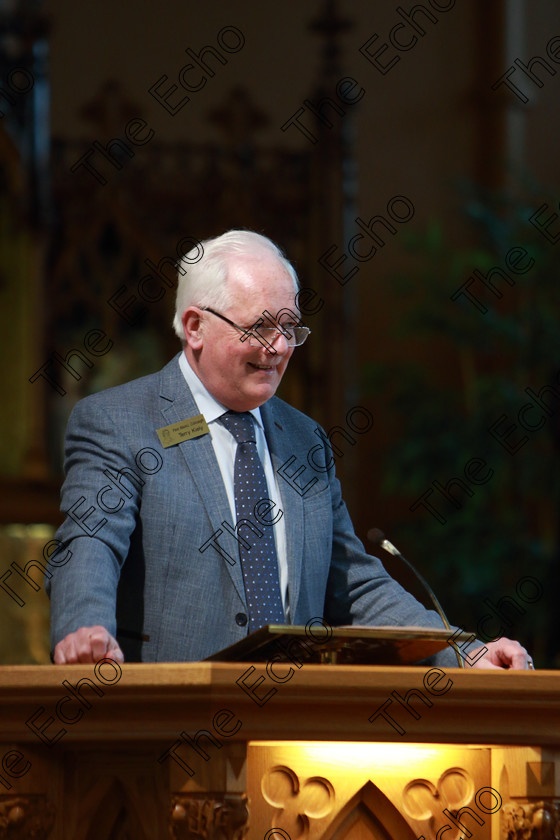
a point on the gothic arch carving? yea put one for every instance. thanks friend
(116, 817)
(369, 815)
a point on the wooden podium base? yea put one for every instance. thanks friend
(230, 751)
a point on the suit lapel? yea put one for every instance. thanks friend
(281, 449)
(178, 404)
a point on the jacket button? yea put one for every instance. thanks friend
(241, 619)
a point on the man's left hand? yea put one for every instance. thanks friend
(503, 653)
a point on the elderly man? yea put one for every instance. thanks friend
(193, 514)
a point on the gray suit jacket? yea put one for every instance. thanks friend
(141, 520)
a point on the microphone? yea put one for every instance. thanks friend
(376, 536)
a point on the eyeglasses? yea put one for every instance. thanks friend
(258, 335)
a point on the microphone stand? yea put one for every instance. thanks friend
(375, 535)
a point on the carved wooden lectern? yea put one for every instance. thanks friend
(216, 751)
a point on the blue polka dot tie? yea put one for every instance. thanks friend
(259, 563)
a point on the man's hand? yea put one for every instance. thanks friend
(503, 653)
(88, 644)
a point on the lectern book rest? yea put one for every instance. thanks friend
(317, 642)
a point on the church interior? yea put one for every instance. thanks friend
(403, 158)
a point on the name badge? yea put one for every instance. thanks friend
(176, 433)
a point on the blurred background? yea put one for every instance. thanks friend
(130, 130)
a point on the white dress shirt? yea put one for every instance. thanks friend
(225, 447)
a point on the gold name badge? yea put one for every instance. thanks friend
(176, 433)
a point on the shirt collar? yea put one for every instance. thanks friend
(208, 405)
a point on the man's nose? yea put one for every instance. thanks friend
(279, 343)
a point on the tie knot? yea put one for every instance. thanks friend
(240, 424)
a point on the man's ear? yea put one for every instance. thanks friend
(193, 327)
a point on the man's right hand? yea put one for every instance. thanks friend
(88, 644)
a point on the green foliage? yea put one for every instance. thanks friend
(507, 527)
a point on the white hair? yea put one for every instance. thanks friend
(203, 277)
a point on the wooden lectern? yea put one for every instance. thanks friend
(224, 751)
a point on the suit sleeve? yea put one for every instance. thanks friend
(100, 497)
(360, 591)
